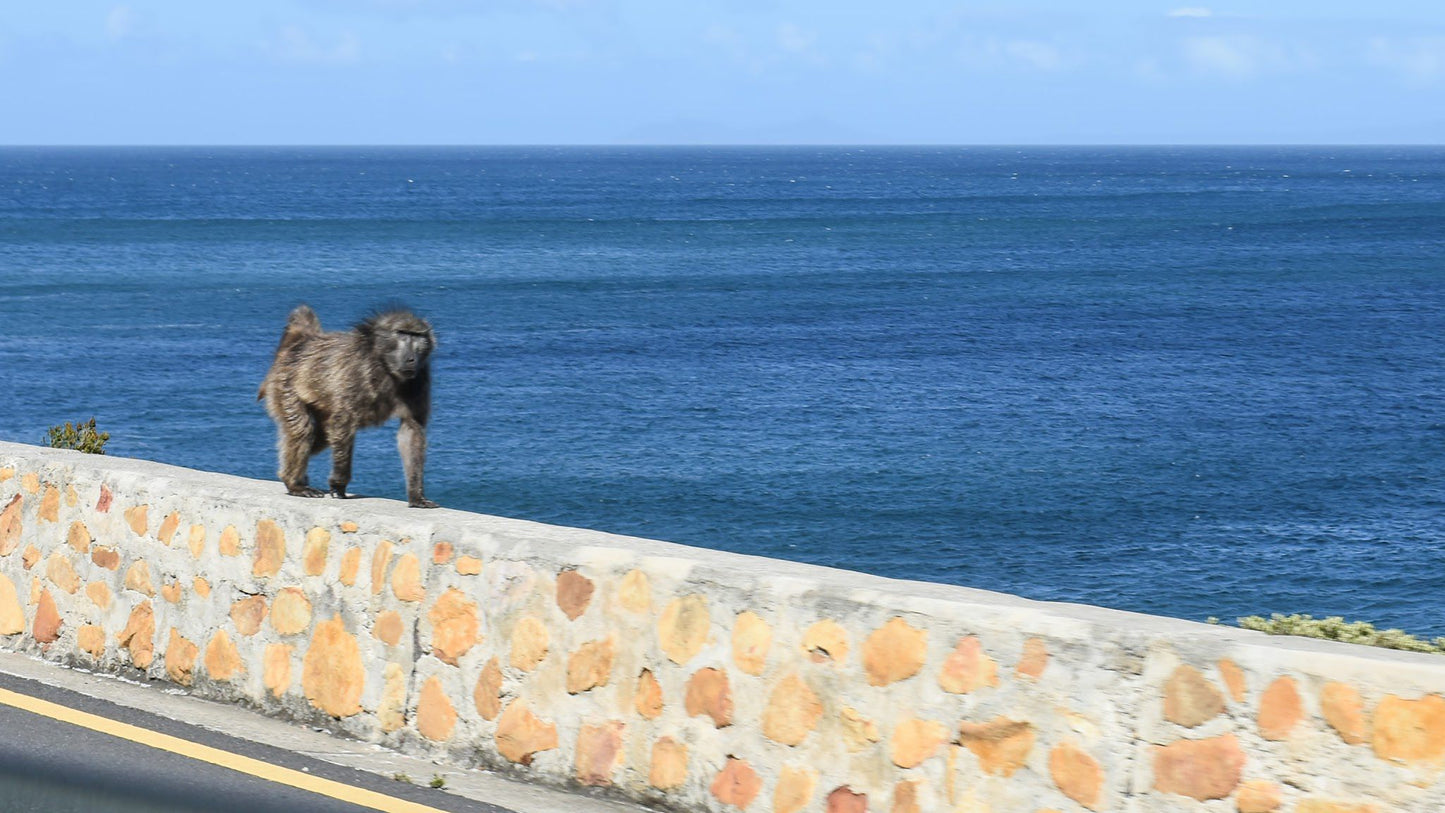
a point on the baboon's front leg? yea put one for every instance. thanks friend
(342, 443)
(411, 442)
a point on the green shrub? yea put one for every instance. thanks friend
(1336, 628)
(80, 437)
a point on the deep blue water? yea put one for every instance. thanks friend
(1183, 381)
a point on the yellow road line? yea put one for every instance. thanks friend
(215, 756)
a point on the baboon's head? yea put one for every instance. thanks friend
(402, 340)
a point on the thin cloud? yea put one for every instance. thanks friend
(1192, 11)
(295, 45)
(119, 22)
(1419, 59)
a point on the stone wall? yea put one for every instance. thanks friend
(687, 678)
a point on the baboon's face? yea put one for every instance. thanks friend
(405, 353)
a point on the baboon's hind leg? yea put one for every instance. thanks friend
(299, 436)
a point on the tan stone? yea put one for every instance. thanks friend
(737, 784)
(12, 614)
(290, 611)
(574, 593)
(196, 540)
(6, 473)
(1344, 710)
(223, 662)
(634, 593)
(61, 572)
(91, 639)
(99, 594)
(388, 627)
(1190, 699)
(380, 559)
(1280, 709)
(1034, 661)
(391, 711)
(181, 656)
(590, 666)
(102, 504)
(1233, 678)
(49, 505)
(668, 770)
(1410, 731)
(468, 566)
(79, 537)
(270, 549)
(648, 699)
(709, 694)
(332, 672)
(751, 638)
(1001, 745)
(455, 628)
(442, 552)
(276, 669)
(1200, 769)
(529, 643)
(313, 554)
(30, 481)
(137, 518)
(108, 558)
(1328, 806)
(858, 731)
(71, 498)
(350, 565)
(792, 712)
(795, 789)
(683, 629)
(916, 740)
(10, 525)
(248, 613)
(1077, 774)
(138, 637)
(488, 695)
(826, 641)
(46, 627)
(967, 668)
(905, 797)
(1258, 796)
(230, 541)
(894, 652)
(406, 579)
(521, 734)
(29, 557)
(138, 578)
(844, 800)
(167, 531)
(349, 527)
(599, 752)
(201, 586)
(435, 717)
(171, 592)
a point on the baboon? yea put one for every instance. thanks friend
(323, 387)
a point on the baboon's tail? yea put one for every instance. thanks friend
(301, 325)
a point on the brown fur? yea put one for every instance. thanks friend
(324, 387)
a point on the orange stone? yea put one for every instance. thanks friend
(737, 784)
(1077, 774)
(1201, 769)
(138, 578)
(435, 717)
(167, 531)
(6, 473)
(270, 549)
(751, 638)
(905, 797)
(529, 643)
(61, 572)
(291, 611)
(574, 593)
(590, 666)
(71, 498)
(599, 751)
(349, 527)
(648, 699)
(137, 519)
(792, 712)
(388, 627)
(108, 558)
(520, 734)
(223, 662)
(99, 593)
(1410, 731)
(1280, 709)
(468, 565)
(138, 637)
(201, 586)
(668, 770)
(826, 642)
(1000, 744)
(10, 525)
(248, 613)
(488, 695)
(683, 629)
(893, 652)
(1258, 796)
(858, 731)
(380, 559)
(313, 554)
(350, 565)
(12, 614)
(391, 711)
(171, 592)
(634, 593)
(30, 481)
(47, 620)
(1327, 806)
(794, 790)
(91, 639)
(1190, 699)
(276, 669)
(332, 672)
(196, 540)
(1344, 710)
(406, 579)
(1035, 659)
(454, 626)
(79, 537)
(29, 557)
(49, 505)
(844, 800)
(230, 541)
(916, 740)
(181, 658)
(967, 668)
(708, 694)
(442, 552)
(102, 505)
(1233, 678)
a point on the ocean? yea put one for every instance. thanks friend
(1187, 381)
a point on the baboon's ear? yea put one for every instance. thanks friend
(366, 328)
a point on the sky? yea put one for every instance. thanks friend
(722, 72)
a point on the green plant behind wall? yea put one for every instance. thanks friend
(80, 437)
(1336, 628)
